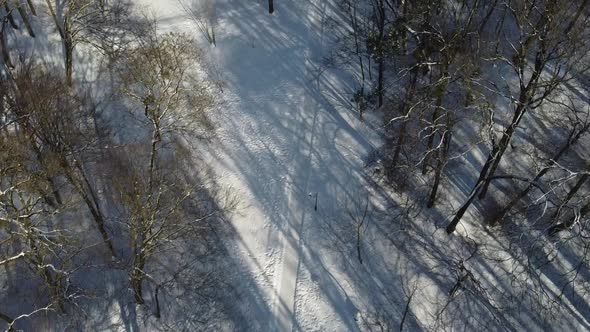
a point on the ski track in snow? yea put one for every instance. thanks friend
(290, 239)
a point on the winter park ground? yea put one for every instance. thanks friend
(291, 149)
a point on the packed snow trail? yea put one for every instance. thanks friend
(284, 144)
(281, 144)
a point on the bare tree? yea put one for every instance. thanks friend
(26, 222)
(56, 124)
(160, 80)
(202, 13)
(101, 24)
(157, 77)
(358, 211)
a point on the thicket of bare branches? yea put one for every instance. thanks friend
(457, 79)
(71, 189)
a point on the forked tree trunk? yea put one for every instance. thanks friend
(498, 150)
(572, 140)
(526, 95)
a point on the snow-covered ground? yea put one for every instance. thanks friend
(290, 147)
(282, 142)
(281, 145)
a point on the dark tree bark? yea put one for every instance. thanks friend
(25, 19)
(4, 48)
(9, 16)
(86, 191)
(577, 15)
(32, 7)
(69, 51)
(271, 6)
(380, 14)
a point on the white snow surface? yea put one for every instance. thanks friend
(280, 143)
(286, 137)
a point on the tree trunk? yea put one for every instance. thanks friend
(56, 195)
(69, 52)
(137, 276)
(381, 59)
(380, 80)
(431, 134)
(437, 107)
(354, 21)
(358, 243)
(157, 299)
(4, 48)
(271, 6)
(37, 260)
(9, 16)
(25, 19)
(441, 163)
(581, 181)
(32, 7)
(577, 16)
(485, 20)
(94, 210)
(156, 138)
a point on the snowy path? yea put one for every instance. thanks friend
(280, 140)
